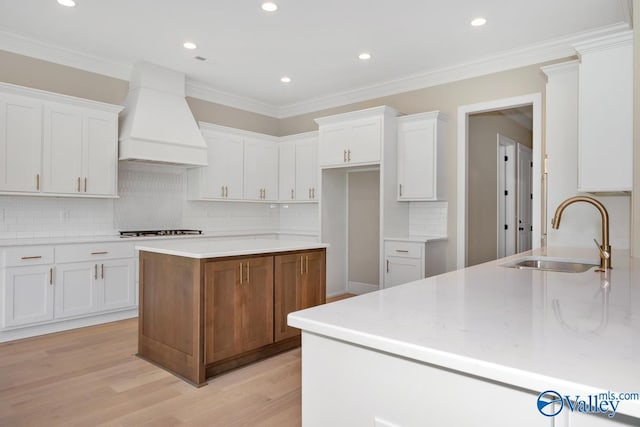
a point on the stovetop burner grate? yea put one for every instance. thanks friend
(152, 233)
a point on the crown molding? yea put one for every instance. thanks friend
(534, 54)
(22, 45)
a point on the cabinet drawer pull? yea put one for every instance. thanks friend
(307, 264)
(100, 253)
(301, 265)
(387, 266)
(248, 280)
(348, 155)
(226, 191)
(222, 191)
(51, 276)
(95, 271)
(32, 257)
(38, 182)
(241, 273)
(78, 184)
(313, 193)
(85, 184)
(102, 270)
(400, 190)
(403, 251)
(344, 156)
(292, 194)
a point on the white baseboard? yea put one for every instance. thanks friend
(359, 288)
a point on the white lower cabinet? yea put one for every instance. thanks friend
(74, 289)
(28, 295)
(402, 270)
(117, 289)
(408, 261)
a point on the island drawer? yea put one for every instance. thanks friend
(94, 252)
(403, 249)
(28, 255)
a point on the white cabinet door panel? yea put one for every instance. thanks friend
(75, 292)
(416, 145)
(287, 171)
(332, 149)
(307, 170)
(28, 295)
(100, 154)
(222, 178)
(366, 141)
(20, 144)
(62, 149)
(260, 169)
(117, 289)
(402, 270)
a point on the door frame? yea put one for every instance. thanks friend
(533, 99)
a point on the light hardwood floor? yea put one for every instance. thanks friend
(91, 377)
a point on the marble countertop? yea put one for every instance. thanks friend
(573, 333)
(225, 248)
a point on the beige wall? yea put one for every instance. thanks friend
(483, 178)
(35, 73)
(635, 219)
(364, 227)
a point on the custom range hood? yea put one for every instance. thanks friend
(156, 124)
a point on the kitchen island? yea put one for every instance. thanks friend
(208, 306)
(477, 347)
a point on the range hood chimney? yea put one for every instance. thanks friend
(156, 124)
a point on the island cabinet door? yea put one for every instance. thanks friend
(238, 306)
(300, 284)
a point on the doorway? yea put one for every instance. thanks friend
(467, 180)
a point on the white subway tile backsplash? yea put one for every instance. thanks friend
(428, 218)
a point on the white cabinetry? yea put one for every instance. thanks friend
(605, 114)
(20, 143)
(298, 168)
(422, 156)
(57, 145)
(407, 261)
(348, 139)
(75, 289)
(260, 169)
(242, 166)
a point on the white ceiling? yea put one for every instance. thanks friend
(316, 43)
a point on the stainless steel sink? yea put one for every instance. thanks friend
(562, 265)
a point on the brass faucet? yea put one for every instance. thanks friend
(605, 247)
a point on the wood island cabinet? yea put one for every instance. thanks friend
(203, 316)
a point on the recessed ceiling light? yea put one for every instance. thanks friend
(67, 3)
(364, 56)
(189, 45)
(285, 79)
(269, 6)
(478, 22)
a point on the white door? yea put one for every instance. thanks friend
(62, 149)
(307, 170)
(332, 149)
(287, 171)
(506, 196)
(28, 295)
(416, 160)
(117, 284)
(20, 144)
(76, 289)
(223, 176)
(399, 270)
(100, 154)
(525, 195)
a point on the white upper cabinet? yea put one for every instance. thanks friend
(260, 169)
(20, 143)
(298, 168)
(605, 114)
(422, 156)
(57, 145)
(223, 177)
(352, 139)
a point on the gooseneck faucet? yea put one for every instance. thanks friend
(605, 247)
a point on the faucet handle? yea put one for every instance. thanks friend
(603, 252)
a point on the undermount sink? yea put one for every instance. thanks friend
(544, 263)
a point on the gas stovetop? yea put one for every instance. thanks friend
(153, 233)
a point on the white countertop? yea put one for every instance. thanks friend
(226, 248)
(532, 329)
(416, 238)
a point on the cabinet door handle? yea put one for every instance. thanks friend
(344, 156)
(403, 251)
(38, 182)
(222, 191)
(306, 264)
(309, 193)
(348, 155)
(387, 266)
(226, 191)
(241, 273)
(102, 270)
(100, 253)
(400, 190)
(85, 184)
(32, 257)
(78, 184)
(95, 271)
(51, 276)
(313, 193)
(248, 280)
(292, 194)
(301, 265)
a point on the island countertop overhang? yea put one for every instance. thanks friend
(220, 248)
